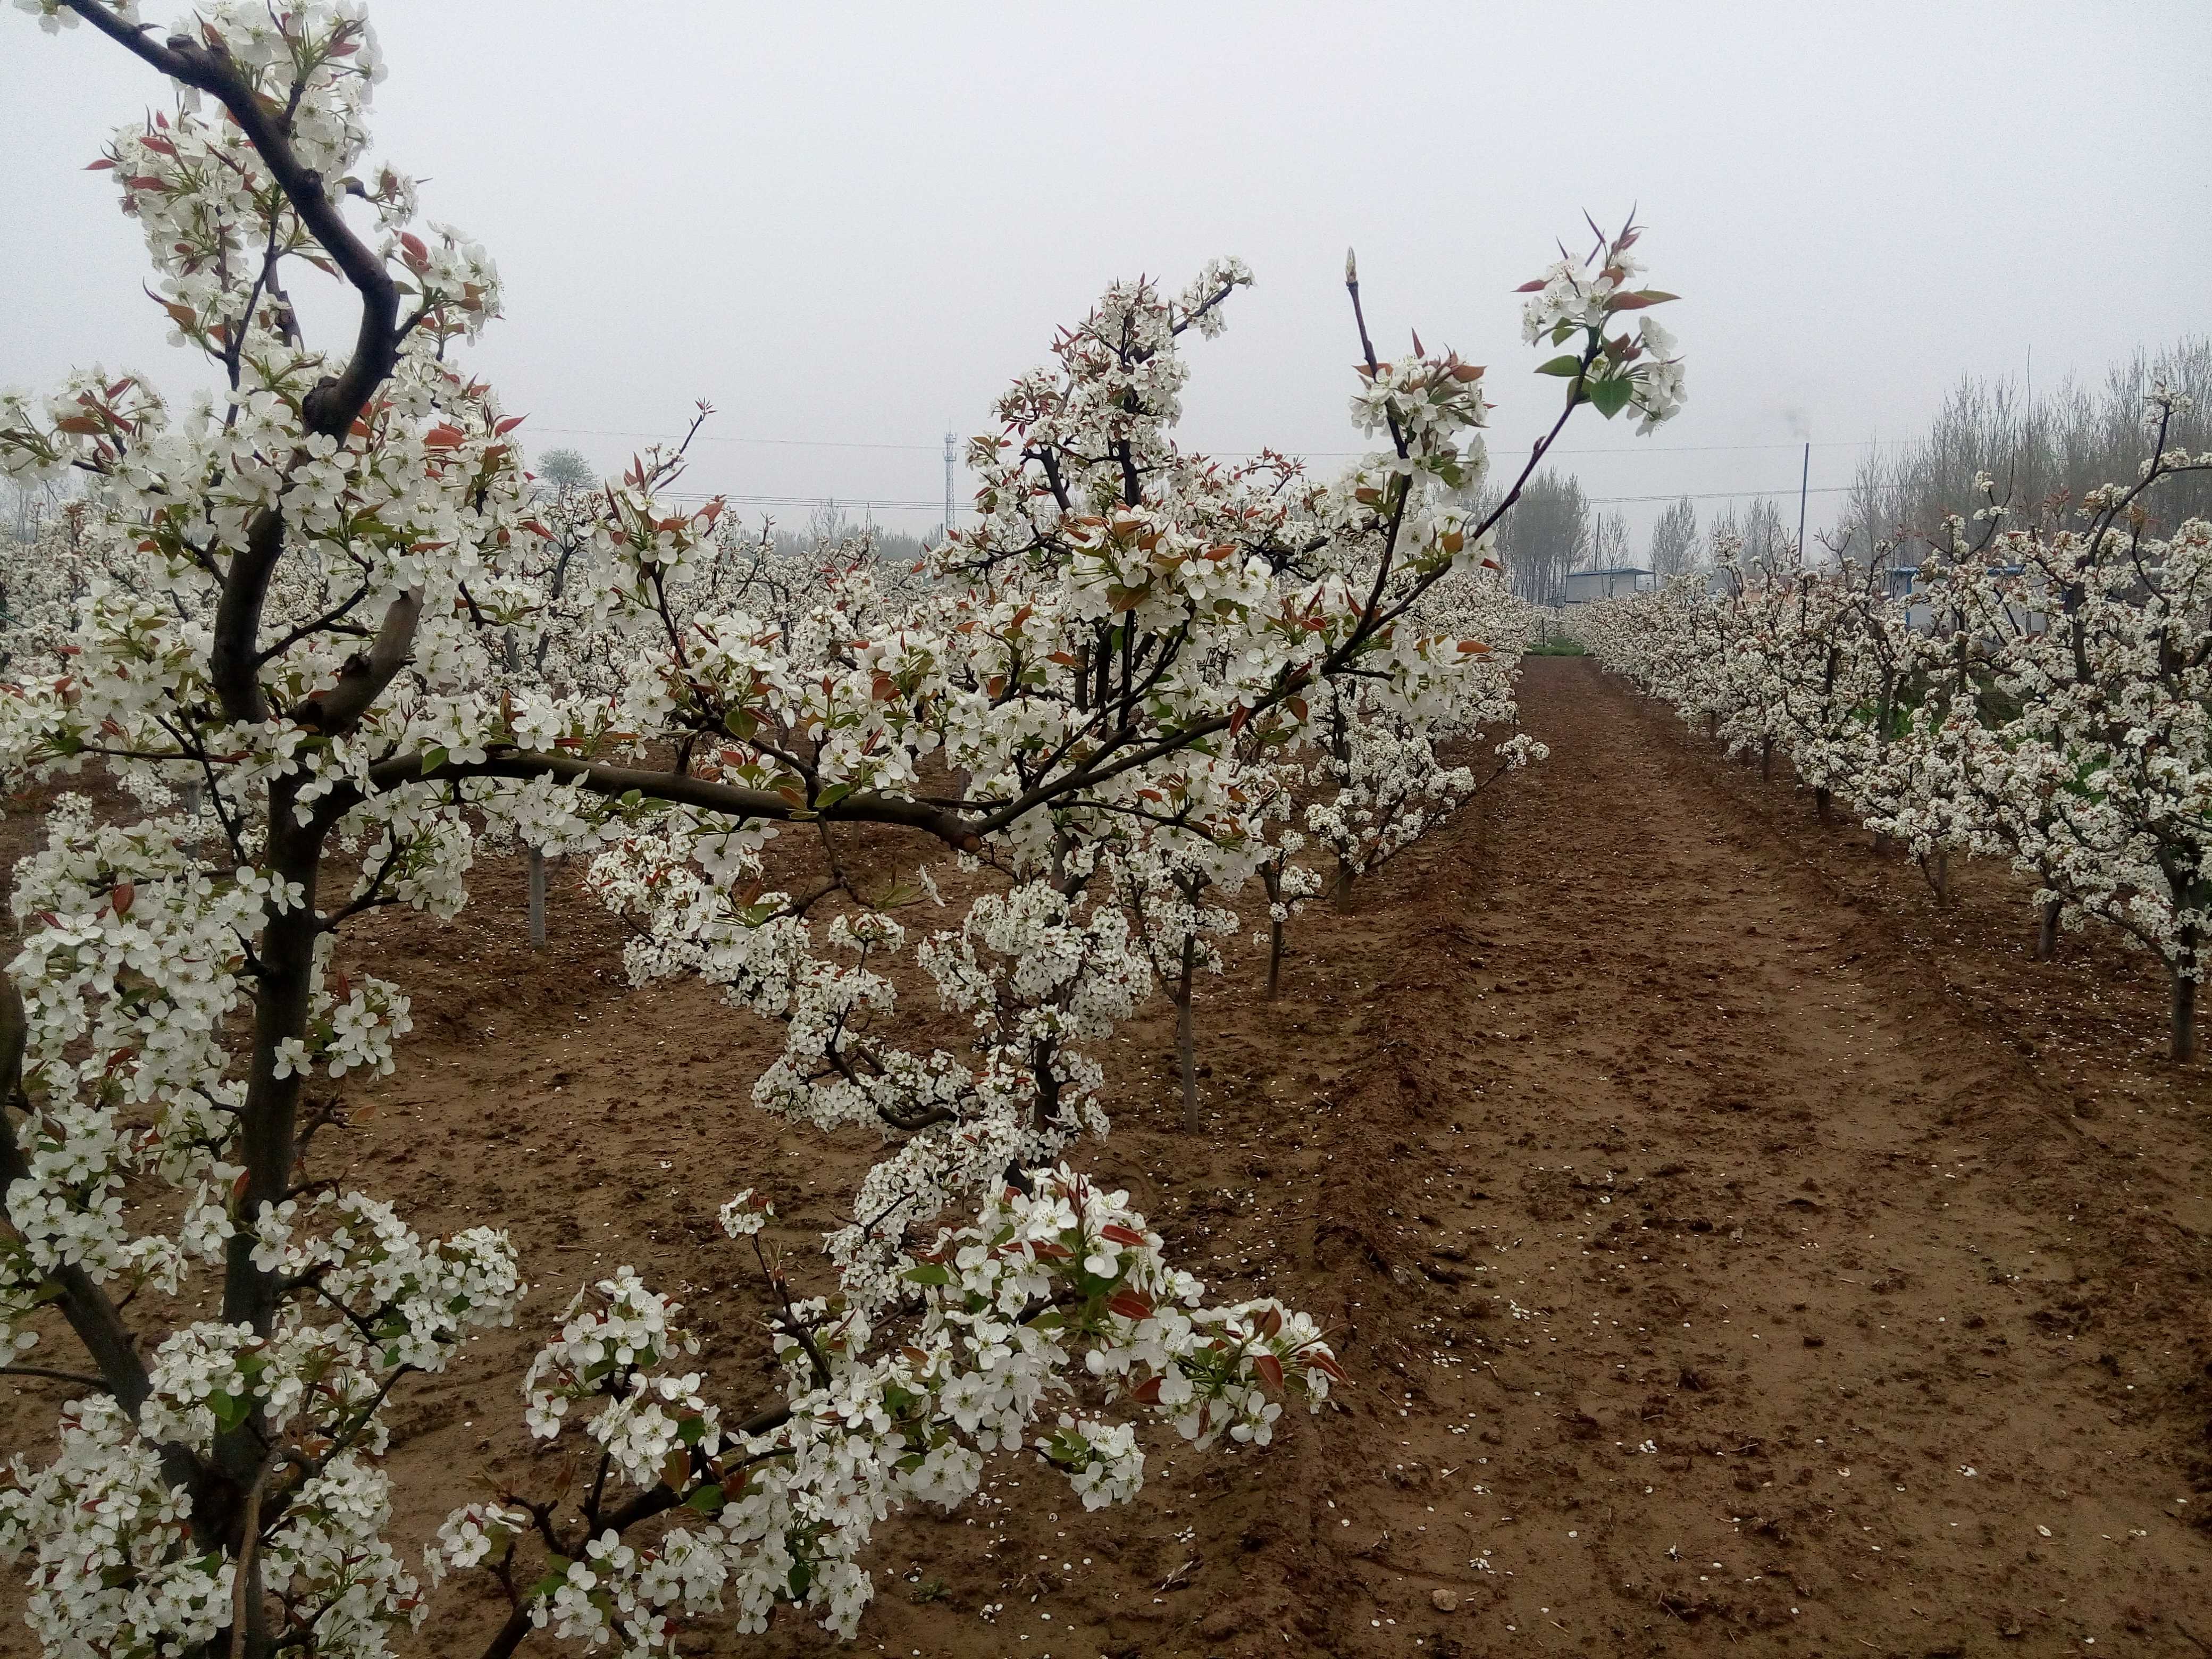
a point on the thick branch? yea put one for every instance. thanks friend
(861, 807)
(333, 408)
(366, 673)
(86, 1307)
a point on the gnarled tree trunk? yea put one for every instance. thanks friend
(1186, 1045)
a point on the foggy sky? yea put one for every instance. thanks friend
(855, 224)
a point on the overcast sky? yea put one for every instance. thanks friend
(851, 225)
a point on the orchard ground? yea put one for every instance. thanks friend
(1732, 1249)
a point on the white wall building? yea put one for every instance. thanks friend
(1584, 586)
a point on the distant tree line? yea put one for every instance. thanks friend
(562, 472)
(1556, 529)
(2068, 440)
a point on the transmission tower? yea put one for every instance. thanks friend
(950, 439)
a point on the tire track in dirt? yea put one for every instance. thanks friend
(1745, 1313)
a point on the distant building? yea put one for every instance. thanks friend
(1906, 585)
(1584, 586)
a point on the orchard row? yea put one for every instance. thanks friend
(2037, 687)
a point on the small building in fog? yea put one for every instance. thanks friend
(1584, 586)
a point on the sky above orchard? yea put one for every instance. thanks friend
(847, 227)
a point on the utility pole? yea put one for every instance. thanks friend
(1804, 477)
(951, 439)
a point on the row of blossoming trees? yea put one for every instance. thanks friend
(2039, 690)
(322, 639)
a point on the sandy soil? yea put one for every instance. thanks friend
(1733, 1250)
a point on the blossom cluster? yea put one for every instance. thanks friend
(1039, 1325)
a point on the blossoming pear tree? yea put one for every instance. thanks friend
(322, 593)
(2043, 693)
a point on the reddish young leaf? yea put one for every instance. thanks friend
(1129, 1305)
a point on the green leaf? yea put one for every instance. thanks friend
(433, 759)
(707, 1500)
(692, 1430)
(1567, 365)
(229, 1410)
(802, 1575)
(927, 1272)
(1610, 397)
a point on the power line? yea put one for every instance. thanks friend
(881, 504)
(1717, 495)
(877, 504)
(1239, 455)
(716, 437)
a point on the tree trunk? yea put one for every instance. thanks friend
(1767, 760)
(2184, 1016)
(2046, 932)
(1939, 878)
(1880, 844)
(1186, 1048)
(1824, 802)
(1271, 878)
(267, 1147)
(1345, 875)
(536, 898)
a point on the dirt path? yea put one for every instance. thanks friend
(1790, 1299)
(1733, 1251)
